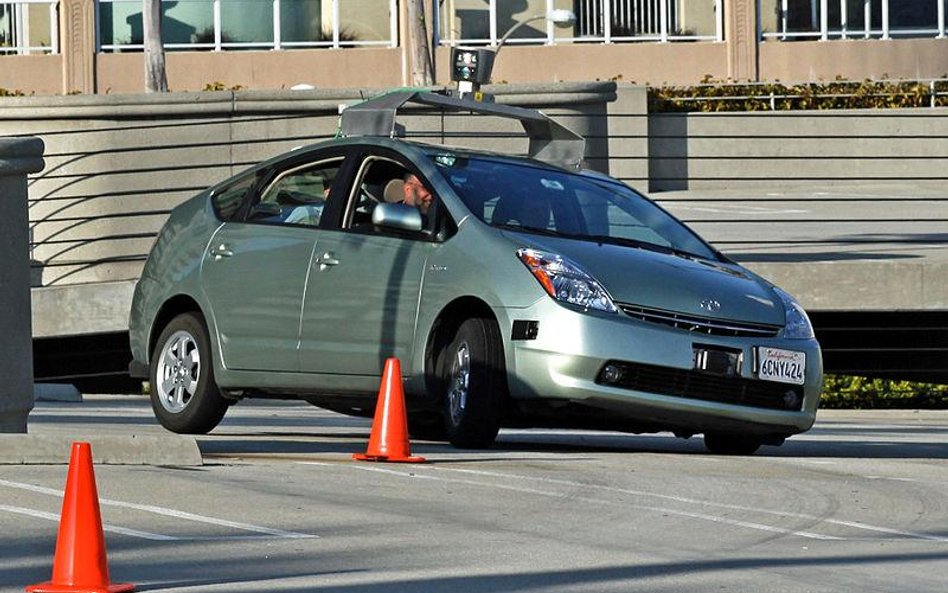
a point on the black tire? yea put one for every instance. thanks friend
(474, 384)
(184, 396)
(427, 426)
(731, 444)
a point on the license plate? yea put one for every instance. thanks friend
(783, 366)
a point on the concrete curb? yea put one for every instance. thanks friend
(31, 449)
(56, 392)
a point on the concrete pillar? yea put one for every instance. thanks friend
(627, 136)
(740, 34)
(77, 35)
(18, 156)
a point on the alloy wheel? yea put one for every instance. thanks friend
(179, 368)
(460, 380)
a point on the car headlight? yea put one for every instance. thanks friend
(565, 281)
(798, 324)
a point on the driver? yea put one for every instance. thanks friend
(416, 194)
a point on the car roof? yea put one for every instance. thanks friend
(418, 147)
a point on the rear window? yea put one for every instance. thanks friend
(227, 200)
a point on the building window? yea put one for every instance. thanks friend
(473, 22)
(251, 24)
(29, 27)
(786, 20)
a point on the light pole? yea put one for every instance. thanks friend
(471, 66)
(560, 17)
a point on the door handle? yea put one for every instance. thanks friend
(221, 251)
(327, 259)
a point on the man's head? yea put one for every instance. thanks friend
(416, 194)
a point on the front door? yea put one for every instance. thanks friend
(362, 299)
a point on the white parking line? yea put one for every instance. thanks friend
(105, 526)
(171, 513)
(552, 494)
(854, 524)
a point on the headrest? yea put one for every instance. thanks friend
(394, 191)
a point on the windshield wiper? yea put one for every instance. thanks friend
(538, 231)
(622, 241)
(626, 242)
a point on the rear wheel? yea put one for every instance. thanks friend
(184, 396)
(472, 371)
(731, 444)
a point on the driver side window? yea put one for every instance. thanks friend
(384, 181)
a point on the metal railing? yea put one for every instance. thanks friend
(604, 21)
(215, 37)
(851, 19)
(23, 30)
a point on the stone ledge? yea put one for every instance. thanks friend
(77, 309)
(42, 449)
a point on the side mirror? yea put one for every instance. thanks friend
(400, 217)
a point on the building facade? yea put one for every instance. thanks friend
(95, 46)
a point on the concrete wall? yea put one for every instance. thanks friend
(854, 59)
(39, 74)
(728, 150)
(652, 63)
(192, 71)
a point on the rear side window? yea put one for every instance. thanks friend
(227, 200)
(297, 196)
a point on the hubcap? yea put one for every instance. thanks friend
(179, 368)
(459, 383)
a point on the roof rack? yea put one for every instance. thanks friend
(549, 141)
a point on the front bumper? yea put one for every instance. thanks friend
(572, 347)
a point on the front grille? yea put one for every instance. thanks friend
(693, 384)
(701, 325)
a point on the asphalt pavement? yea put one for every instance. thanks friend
(860, 503)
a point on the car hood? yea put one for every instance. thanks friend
(668, 282)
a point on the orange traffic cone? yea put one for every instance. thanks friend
(389, 439)
(80, 565)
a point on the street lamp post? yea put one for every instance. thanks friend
(471, 66)
(560, 17)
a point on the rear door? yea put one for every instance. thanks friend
(255, 268)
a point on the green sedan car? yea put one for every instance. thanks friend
(515, 292)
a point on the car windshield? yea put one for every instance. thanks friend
(551, 202)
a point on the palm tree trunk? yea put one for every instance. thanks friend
(156, 80)
(422, 68)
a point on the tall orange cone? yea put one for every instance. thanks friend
(389, 439)
(80, 564)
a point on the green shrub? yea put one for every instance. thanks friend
(220, 86)
(714, 96)
(842, 391)
(14, 93)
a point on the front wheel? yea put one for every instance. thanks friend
(731, 444)
(184, 396)
(472, 371)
